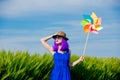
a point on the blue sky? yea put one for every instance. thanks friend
(24, 22)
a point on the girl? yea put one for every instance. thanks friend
(61, 55)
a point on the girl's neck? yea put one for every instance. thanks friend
(59, 47)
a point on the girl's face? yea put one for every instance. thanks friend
(58, 39)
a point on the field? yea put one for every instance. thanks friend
(21, 65)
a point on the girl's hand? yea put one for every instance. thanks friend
(81, 58)
(54, 34)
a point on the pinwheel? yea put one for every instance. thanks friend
(91, 23)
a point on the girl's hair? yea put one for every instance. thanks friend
(65, 46)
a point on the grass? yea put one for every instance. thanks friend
(21, 65)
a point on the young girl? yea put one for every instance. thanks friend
(61, 55)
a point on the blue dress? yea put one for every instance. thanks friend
(61, 70)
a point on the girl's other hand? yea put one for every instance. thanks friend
(82, 58)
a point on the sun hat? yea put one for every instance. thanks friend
(61, 34)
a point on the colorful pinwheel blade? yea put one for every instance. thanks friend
(99, 28)
(98, 21)
(84, 22)
(89, 18)
(94, 17)
(86, 28)
(95, 32)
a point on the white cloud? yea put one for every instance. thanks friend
(28, 43)
(17, 8)
(69, 23)
(96, 44)
(8, 31)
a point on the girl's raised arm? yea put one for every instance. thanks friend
(46, 45)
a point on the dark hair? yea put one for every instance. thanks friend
(65, 46)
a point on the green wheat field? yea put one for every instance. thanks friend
(21, 65)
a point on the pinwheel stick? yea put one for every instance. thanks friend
(86, 43)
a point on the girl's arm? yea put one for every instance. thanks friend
(72, 64)
(46, 45)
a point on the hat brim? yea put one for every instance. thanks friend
(60, 36)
